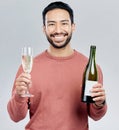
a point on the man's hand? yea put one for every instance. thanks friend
(22, 83)
(98, 94)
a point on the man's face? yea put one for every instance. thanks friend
(58, 28)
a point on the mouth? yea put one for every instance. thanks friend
(59, 36)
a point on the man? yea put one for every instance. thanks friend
(56, 80)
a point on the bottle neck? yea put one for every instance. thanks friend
(92, 54)
(92, 61)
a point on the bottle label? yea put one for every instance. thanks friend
(88, 87)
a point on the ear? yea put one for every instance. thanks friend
(73, 27)
(44, 28)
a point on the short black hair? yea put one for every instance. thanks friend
(58, 5)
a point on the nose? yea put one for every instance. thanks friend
(58, 28)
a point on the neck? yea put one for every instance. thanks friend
(63, 52)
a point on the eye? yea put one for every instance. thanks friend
(51, 24)
(64, 23)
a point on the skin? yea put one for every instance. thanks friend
(58, 29)
(98, 94)
(59, 23)
(22, 83)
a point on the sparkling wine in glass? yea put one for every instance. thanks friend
(27, 63)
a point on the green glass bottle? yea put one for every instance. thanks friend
(90, 76)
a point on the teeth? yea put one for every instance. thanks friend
(59, 37)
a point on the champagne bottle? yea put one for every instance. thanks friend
(90, 76)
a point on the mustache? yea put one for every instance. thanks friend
(58, 34)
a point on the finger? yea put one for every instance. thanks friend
(24, 76)
(99, 99)
(97, 89)
(98, 93)
(21, 90)
(99, 96)
(98, 85)
(22, 79)
(20, 84)
(25, 84)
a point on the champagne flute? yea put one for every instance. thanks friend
(27, 63)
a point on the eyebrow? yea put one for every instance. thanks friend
(51, 21)
(64, 20)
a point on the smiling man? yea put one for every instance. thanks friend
(56, 80)
(58, 28)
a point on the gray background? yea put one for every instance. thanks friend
(96, 23)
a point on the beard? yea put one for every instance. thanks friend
(59, 46)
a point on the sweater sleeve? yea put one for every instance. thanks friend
(17, 106)
(94, 112)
